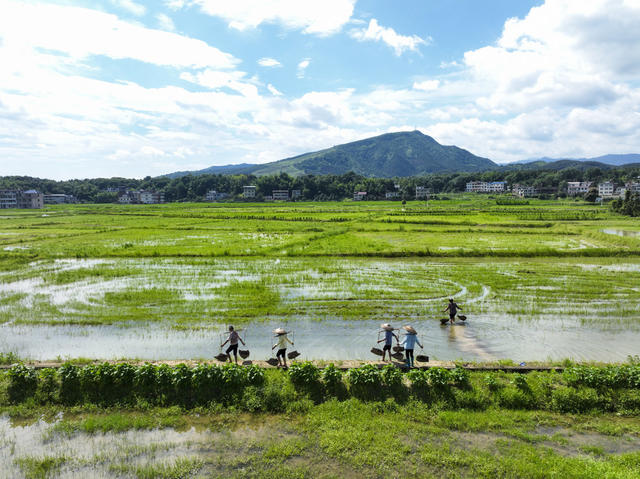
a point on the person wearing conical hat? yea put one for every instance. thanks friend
(388, 339)
(409, 342)
(281, 344)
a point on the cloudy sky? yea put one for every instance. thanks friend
(133, 88)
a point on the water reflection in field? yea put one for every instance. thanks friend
(483, 337)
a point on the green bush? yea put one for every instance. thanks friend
(333, 384)
(570, 400)
(164, 385)
(520, 381)
(492, 382)
(629, 402)
(438, 378)
(23, 382)
(460, 377)
(513, 398)
(365, 382)
(182, 385)
(47, 386)
(70, 384)
(304, 375)
(477, 400)
(145, 382)
(123, 376)
(207, 383)
(419, 383)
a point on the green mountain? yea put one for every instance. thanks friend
(408, 153)
(385, 156)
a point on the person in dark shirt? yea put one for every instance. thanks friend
(233, 339)
(453, 308)
(388, 339)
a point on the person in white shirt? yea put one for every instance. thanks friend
(281, 344)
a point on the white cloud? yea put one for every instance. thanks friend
(165, 22)
(427, 85)
(274, 91)
(81, 32)
(377, 33)
(269, 62)
(302, 67)
(130, 6)
(215, 79)
(314, 17)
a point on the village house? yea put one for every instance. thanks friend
(58, 199)
(524, 191)
(606, 189)
(392, 195)
(486, 187)
(280, 195)
(578, 187)
(295, 194)
(249, 191)
(359, 195)
(29, 199)
(213, 195)
(422, 192)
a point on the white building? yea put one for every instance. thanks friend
(295, 194)
(477, 187)
(633, 186)
(359, 195)
(8, 199)
(422, 192)
(497, 186)
(280, 195)
(391, 195)
(578, 187)
(249, 191)
(151, 197)
(29, 199)
(606, 189)
(213, 195)
(58, 199)
(524, 191)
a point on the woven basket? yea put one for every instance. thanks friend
(244, 353)
(398, 349)
(398, 356)
(293, 354)
(421, 358)
(462, 317)
(272, 362)
(444, 321)
(222, 357)
(377, 351)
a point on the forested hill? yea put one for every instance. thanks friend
(402, 154)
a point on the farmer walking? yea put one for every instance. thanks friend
(233, 339)
(409, 342)
(453, 308)
(281, 344)
(388, 339)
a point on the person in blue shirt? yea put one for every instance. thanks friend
(388, 339)
(409, 342)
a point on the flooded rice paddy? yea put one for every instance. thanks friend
(177, 309)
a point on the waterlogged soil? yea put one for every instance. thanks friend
(255, 447)
(480, 338)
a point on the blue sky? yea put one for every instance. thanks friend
(132, 88)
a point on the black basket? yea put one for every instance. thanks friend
(444, 321)
(293, 354)
(272, 362)
(462, 317)
(398, 356)
(421, 358)
(398, 349)
(377, 351)
(222, 357)
(244, 353)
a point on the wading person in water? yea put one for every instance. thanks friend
(409, 342)
(233, 339)
(453, 308)
(388, 339)
(281, 344)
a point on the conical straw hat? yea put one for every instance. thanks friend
(386, 327)
(409, 329)
(279, 331)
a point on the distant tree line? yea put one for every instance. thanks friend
(316, 188)
(629, 205)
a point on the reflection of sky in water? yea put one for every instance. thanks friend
(483, 337)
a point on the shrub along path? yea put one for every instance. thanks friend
(342, 365)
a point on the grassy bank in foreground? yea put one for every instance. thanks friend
(335, 439)
(247, 422)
